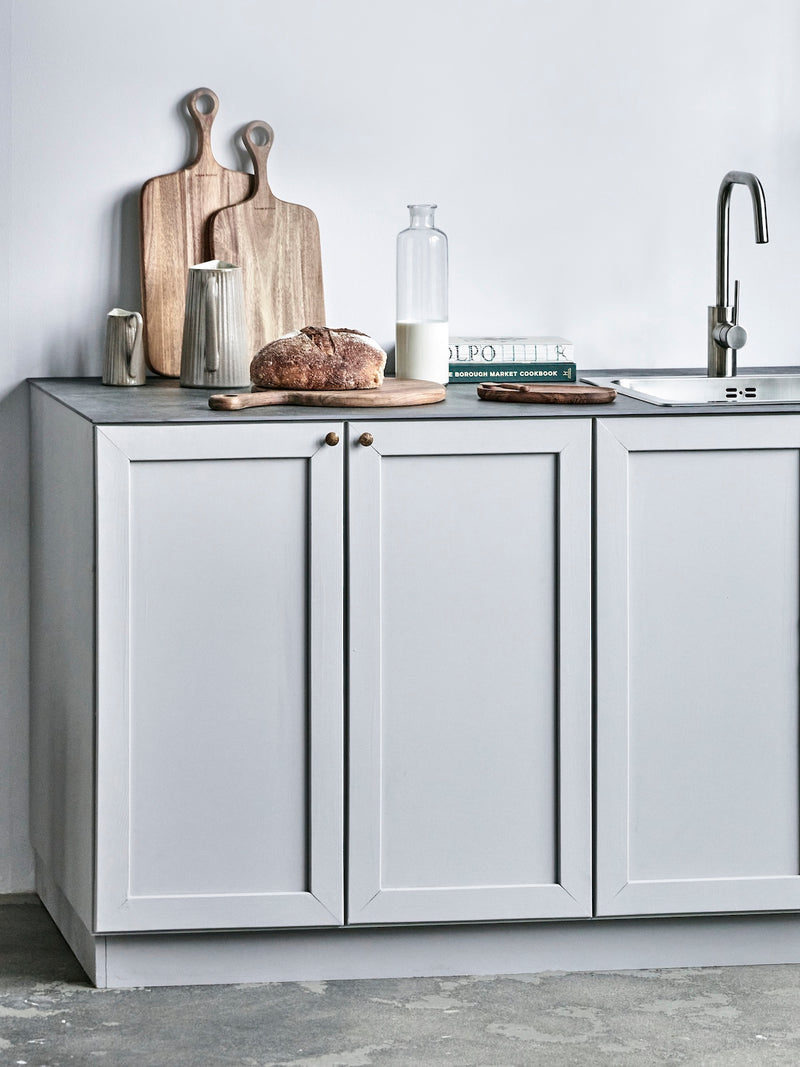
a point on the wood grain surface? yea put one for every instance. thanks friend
(546, 393)
(174, 212)
(393, 393)
(277, 246)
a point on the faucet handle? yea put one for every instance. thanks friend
(731, 334)
(736, 335)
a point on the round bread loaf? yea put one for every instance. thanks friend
(317, 357)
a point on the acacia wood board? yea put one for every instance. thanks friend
(546, 393)
(277, 246)
(393, 393)
(173, 218)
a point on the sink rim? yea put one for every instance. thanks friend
(649, 388)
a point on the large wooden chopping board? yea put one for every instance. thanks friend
(393, 393)
(277, 246)
(174, 212)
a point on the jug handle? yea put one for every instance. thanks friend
(212, 338)
(132, 327)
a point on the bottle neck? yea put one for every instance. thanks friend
(421, 216)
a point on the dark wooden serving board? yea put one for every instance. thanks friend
(546, 393)
(393, 393)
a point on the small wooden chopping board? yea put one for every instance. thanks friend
(393, 393)
(546, 393)
(277, 246)
(174, 212)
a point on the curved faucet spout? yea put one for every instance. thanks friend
(736, 177)
(725, 335)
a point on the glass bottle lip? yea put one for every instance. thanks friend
(422, 207)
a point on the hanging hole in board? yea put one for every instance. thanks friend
(259, 135)
(204, 104)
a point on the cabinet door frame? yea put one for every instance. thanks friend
(116, 908)
(569, 441)
(616, 892)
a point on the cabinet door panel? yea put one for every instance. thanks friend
(452, 642)
(217, 741)
(209, 814)
(465, 628)
(698, 579)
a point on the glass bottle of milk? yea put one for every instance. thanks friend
(421, 336)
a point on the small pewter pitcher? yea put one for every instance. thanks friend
(123, 359)
(215, 352)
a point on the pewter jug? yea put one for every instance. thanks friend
(215, 350)
(123, 358)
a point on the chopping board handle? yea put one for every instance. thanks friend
(258, 138)
(237, 401)
(203, 120)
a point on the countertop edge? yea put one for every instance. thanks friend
(163, 401)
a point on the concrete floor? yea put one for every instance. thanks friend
(726, 1017)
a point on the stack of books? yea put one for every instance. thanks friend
(511, 359)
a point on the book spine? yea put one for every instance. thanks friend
(512, 372)
(486, 352)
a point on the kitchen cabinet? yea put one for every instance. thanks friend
(219, 650)
(698, 587)
(378, 703)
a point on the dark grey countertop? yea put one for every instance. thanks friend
(165, 401)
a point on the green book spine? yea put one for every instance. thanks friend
(512, 372)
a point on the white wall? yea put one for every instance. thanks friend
(575, 149)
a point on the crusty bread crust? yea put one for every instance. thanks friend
(317, 357)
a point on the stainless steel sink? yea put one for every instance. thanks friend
(686, 389)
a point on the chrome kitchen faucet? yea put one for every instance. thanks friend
(725, 335)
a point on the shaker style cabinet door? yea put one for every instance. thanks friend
(469, 670)
(698, 602)
(219, 652)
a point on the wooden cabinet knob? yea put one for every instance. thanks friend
(332, 438)
(366, 439)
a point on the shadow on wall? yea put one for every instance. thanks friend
(67, 357)
(122, 274)
(125, 252)
(80, 353)
(17, 872)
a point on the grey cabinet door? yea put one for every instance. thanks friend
(219, 675)
(698, 535)
(469, 670)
